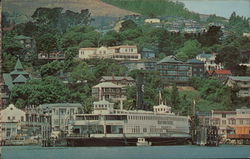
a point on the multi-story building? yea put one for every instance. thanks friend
(140, 65)
(123, 52)
(197, 67)
(242, 83)
(23, 125)
(230, 123)
(109, 91)
(209, 60)
(173, 70)
(119, 80)
(61, 114)
(147, 53)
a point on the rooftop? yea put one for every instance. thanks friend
(20, 79)
(240, 78)
(116, 78)
(169, 59)
(204, 55)
(107, 85)
(44, 106)
(22, 37)
(195, 61)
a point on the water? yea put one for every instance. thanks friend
(222, 8)
(154, 152)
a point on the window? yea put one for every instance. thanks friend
(8, 117)
(224, 115)
(224, 122)
(144, 130)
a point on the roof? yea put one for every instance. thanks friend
(224, 112)
(125, 46)
(21, 37)
(19, 65)
(103, 102)
(8, 80)
(240, 78)
(116, 78)
(169, 59)
(222, 72)
(88, 48)
(15, 72)
(195, 61)
(44, 106)
(107, 85)
(20, 79)
(204, 55)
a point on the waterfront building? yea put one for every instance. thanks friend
(61, 114)
(209, 60)
(173, 70)
(122, 52)
(242, 83)
(197, 68)
(10, 121)
(119, 80)
(108, 91)
(23, 126)
(231, 124)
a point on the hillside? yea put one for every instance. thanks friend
(96, 7)
(154, 8)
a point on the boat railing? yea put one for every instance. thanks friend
(78, 136)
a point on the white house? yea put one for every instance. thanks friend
(10, 122)
(122, 52)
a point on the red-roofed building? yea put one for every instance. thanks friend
(219, 74)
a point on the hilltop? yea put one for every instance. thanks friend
(96, 7)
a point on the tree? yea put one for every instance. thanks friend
(211, 37)
(190, 49)
(175, 98)
(39, 91)
(51, 68)
(47, 43)
(229, 57)
(128, 24)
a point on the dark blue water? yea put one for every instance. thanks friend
(154, 152)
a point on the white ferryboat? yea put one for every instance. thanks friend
(107, 126)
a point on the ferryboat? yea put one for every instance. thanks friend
(143, 142)
(107, 126)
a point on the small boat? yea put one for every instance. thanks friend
(143, 142)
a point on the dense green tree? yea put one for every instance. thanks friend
(51, 69)
(175, 98)
(190, 49)
(39, 91)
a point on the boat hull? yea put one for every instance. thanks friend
(156, 141)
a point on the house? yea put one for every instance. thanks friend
(140, 65)
(51, 56)
(16, 77)
(61, 114)
(108, 91)
(209, 60)
(152, 20)
(242, 83)
(147, 53)
(173, 70)
(11, 118)
(219, 74)
(122, 52)
(197, 68)
(118, 80)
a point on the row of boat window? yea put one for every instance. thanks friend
(155, 118)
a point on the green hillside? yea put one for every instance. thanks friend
(154, 7)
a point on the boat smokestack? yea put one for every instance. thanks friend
(140, 91)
